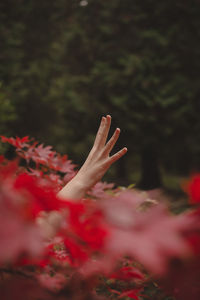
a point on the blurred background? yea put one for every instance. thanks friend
(66, 63)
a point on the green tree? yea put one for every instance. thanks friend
(129, 58)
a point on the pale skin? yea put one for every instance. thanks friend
(97, 163)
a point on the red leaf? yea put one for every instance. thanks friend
(131, 294)
(154, 238)
(76, 252)
(127, 273)
(87, 223)
(193, 189)
(100, 188)
(16, 142)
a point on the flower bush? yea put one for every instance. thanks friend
(113, 244)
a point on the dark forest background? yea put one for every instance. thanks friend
(65, 63)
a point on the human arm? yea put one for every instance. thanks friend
(96, 164)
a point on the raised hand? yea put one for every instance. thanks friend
(96, 164)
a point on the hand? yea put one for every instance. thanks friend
(96, 164)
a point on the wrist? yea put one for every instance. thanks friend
(75, 189)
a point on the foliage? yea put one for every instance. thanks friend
(114, 244)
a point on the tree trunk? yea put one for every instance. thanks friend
(150, 173)
(121, 178)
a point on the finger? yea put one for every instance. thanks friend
(106, 130)
(100, 132)
(111, 143)
(103, 131)
(118, 155)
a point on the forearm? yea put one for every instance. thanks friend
(73, 190)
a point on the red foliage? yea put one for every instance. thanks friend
(50, 165)
(19, 235)
(133, 294)
(92, 237)
(87, 222)
(193, 189)
(16, 142)
(43, 199)
(127, 273)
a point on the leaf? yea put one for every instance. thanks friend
(99, 189)
(133, 294)
(16, 142)
(42, 154)
(153, 238)
(53, 283)
(127, 273)
(193, 189)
